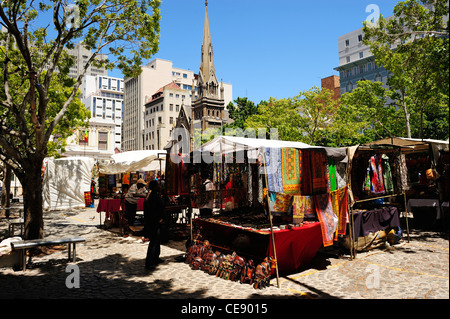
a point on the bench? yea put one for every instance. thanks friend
(12, 223)
(23, 245)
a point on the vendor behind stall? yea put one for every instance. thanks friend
(135, 192)
(207, 187)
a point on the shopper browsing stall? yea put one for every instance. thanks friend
(153, 219)
(135, 192)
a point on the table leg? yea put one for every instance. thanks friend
(24, 259)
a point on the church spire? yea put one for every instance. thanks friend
(208, 84)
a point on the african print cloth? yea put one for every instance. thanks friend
(339, 201)
(87, 199)
(328, 220)
(319, 172)
(282, 203)
(302, 206)
(291, 162)
(274, 171)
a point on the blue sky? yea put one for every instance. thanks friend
(263, 48)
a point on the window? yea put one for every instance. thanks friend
(348, 59)
(171, 120)
(170, 107)
(360, 38)
(102, 140)
(347, 43)
(361, 55)
(185, 75)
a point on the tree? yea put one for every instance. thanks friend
(317, 111)
(413, 46)
(279, 114)
(34, 57)
(239, 113)
(365, 111)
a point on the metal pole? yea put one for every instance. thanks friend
(406, 213)
(271, 228)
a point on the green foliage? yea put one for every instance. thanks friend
(413, 46)
(239, 113)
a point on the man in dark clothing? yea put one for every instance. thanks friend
(153, 218)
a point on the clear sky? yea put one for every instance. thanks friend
(263, 48)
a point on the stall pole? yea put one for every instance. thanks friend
(271, 230)
(406, 214)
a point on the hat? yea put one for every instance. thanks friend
(141, 181)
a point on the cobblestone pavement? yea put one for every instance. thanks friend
(113, 267)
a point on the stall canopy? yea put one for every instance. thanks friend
(65, 181)
(227, 144)
(413, 145)
(146, 160)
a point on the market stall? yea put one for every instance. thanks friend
(426, 176)
(66, 181)
(284, 199)
(377, 192)
(117, 175)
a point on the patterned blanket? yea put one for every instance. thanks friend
(274, 174)
(328, 220)
(291, 160)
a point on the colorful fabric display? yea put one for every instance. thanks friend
(341, 174)
(274, 174)
(302, 206)
(282, 203)
(291, 170)
(328, 220)
(332, 174)
(387, 174)
(339, 201)
(319, 171)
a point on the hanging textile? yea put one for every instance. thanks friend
(319, 171)
(328, 220)
(176, 178)
(274, 175)
(343, 210)
(332, 174)
(302, 206)
(387, 174)
(291, 163)
(306, 173)
(341, 174)
(339, 201)
(282, 203)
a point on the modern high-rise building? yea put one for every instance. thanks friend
(82, 55)
(356, 62)
(103, 97)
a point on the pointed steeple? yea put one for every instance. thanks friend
(208, 84)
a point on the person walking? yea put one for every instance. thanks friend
(153, 218)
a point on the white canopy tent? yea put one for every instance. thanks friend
(65, 181)
(227, 144)
(144, 160)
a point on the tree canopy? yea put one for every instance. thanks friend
(37, 94)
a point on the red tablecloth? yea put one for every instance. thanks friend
(110, 205)
(295, 247)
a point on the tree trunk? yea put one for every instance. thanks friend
(6, 190)
(33, 201)
(407, 116)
